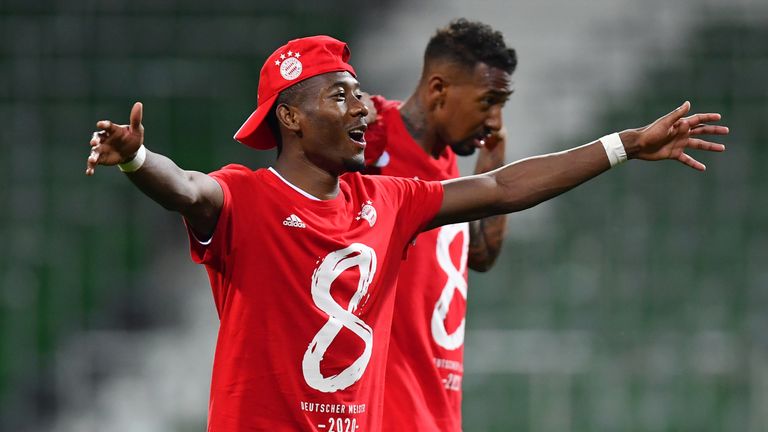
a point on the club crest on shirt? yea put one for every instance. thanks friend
(368, 213)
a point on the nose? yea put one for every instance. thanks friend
(358, 108)
(493, 121)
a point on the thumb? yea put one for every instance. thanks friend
(137, 113)
(678, 113)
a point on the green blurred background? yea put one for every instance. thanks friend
(637, 302)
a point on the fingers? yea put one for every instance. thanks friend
(137, 112)
(703, 118)
(93, 157)
(107, 126)
(93, 160)
(695, 143)
(678, 113)
(95, 143)
(698, 144)
(704, 129)
(98, 138)
(681, 128)
(691, 162)
(496, 139)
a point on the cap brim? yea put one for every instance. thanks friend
(255, 132)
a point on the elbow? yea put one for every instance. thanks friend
(184, 202)
(480, 267)
(178, 203)
(185, 198)
(481, 262)
(188, 206)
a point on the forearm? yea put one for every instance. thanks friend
(531, 181)
(485, 238)
(487, 234)
(164, 182)
(526, 183)
(194, 195)
(519, 185)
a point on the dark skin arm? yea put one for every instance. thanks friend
(486, 235)
(531, 181)
(194, 195)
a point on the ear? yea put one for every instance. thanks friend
(289, 117)
(437, 88)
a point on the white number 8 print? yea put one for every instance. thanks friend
(455, 282)
(333, 265)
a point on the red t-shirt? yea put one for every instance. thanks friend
(305, 290)
(425, 366)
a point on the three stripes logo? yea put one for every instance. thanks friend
(294, 221)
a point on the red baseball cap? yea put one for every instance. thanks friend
(293, 62)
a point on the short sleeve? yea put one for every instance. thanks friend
(419, 202)
(214, 252)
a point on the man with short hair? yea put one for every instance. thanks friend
(303, 257)
(455, 109)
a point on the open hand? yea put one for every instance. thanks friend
(670, 136)
(113, 144)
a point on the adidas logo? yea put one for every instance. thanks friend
(294, 221)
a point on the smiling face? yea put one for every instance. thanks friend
(329, 120)
(470, 106)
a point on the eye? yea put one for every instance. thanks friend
(339, 96)
(491, 100)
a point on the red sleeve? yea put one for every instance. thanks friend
(419, 202)
(426, 198)
(214, 252)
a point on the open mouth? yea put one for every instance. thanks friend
(358, 134)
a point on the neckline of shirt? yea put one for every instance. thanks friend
(293, 186)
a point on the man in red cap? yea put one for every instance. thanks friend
(454, 110)
(303, 257)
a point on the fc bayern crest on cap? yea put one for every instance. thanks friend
(290, 66)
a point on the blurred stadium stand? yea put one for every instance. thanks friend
(639, 304)
(81, 273)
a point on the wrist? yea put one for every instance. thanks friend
(630, 140)
(614, 149)
(135, 162)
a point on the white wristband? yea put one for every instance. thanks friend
(135, 163)
(614, 149)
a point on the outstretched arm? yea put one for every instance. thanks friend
(487, 234)
(528, 182)
(195, 195)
